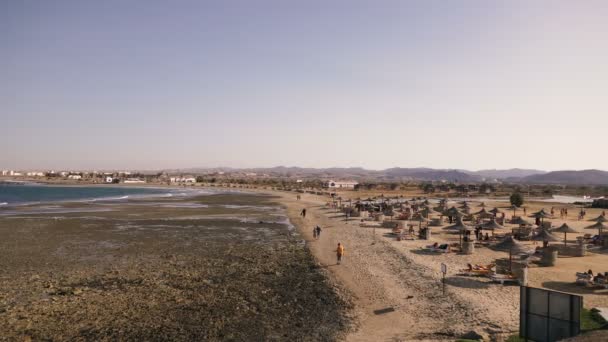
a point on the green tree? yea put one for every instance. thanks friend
(428, 188)
(517, 199)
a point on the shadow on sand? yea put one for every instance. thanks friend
(425, 252)
(573, 288)
(596, 250)
(467, 282)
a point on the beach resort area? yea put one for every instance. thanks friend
(395, 247)
(244, 262)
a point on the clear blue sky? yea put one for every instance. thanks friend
(166, 84)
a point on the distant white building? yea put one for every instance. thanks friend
(75, 177)
(341, 184)
(35, 174)
(5, 172)
(133, 181)
(187, 179)
(109, 179)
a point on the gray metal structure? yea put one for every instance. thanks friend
(547, 316)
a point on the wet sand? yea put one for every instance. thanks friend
(200, 268)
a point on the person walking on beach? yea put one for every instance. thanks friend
(339, 252)
(303, 213)
(318, 230)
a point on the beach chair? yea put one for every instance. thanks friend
(599, 283)
(504, 278)
(479, 271)
(583, 278)
(445, 248)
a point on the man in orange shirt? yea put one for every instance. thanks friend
(339, 252)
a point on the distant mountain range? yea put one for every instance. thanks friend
(524, 176)
(583, 177)
(510, 173)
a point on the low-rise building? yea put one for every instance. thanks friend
(186, 179)
(75, 177)
(341, 184)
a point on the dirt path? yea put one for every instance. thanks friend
(380, 277)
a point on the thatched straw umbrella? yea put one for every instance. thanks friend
(564, 228)
(452, 212)
(427, 211)
(482, 211)
(541, 215)
(545, 237)
(492, 225)
(495, 211)
(542, 211)
(521, 221)
(420, 219)
(482, 205)
(459, 226)
(599, 226)
(600, 218)
(484, 214)
(439, 209)
(513, 246)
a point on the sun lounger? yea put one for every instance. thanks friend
(504, 278)
(583, 278)
(407, 237)
(478, 270)
(439, 249)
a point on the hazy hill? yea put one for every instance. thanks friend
(510, 173)
(583, 177)
(429, 175)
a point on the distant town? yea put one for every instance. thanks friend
(446, 183)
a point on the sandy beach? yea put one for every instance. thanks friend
(383, 273)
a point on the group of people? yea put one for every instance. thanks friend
(316, 233)
(480, 236)
(599, 278)
(563, 213)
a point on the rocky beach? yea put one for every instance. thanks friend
(226, 266)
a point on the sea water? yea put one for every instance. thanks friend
(11, 194)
